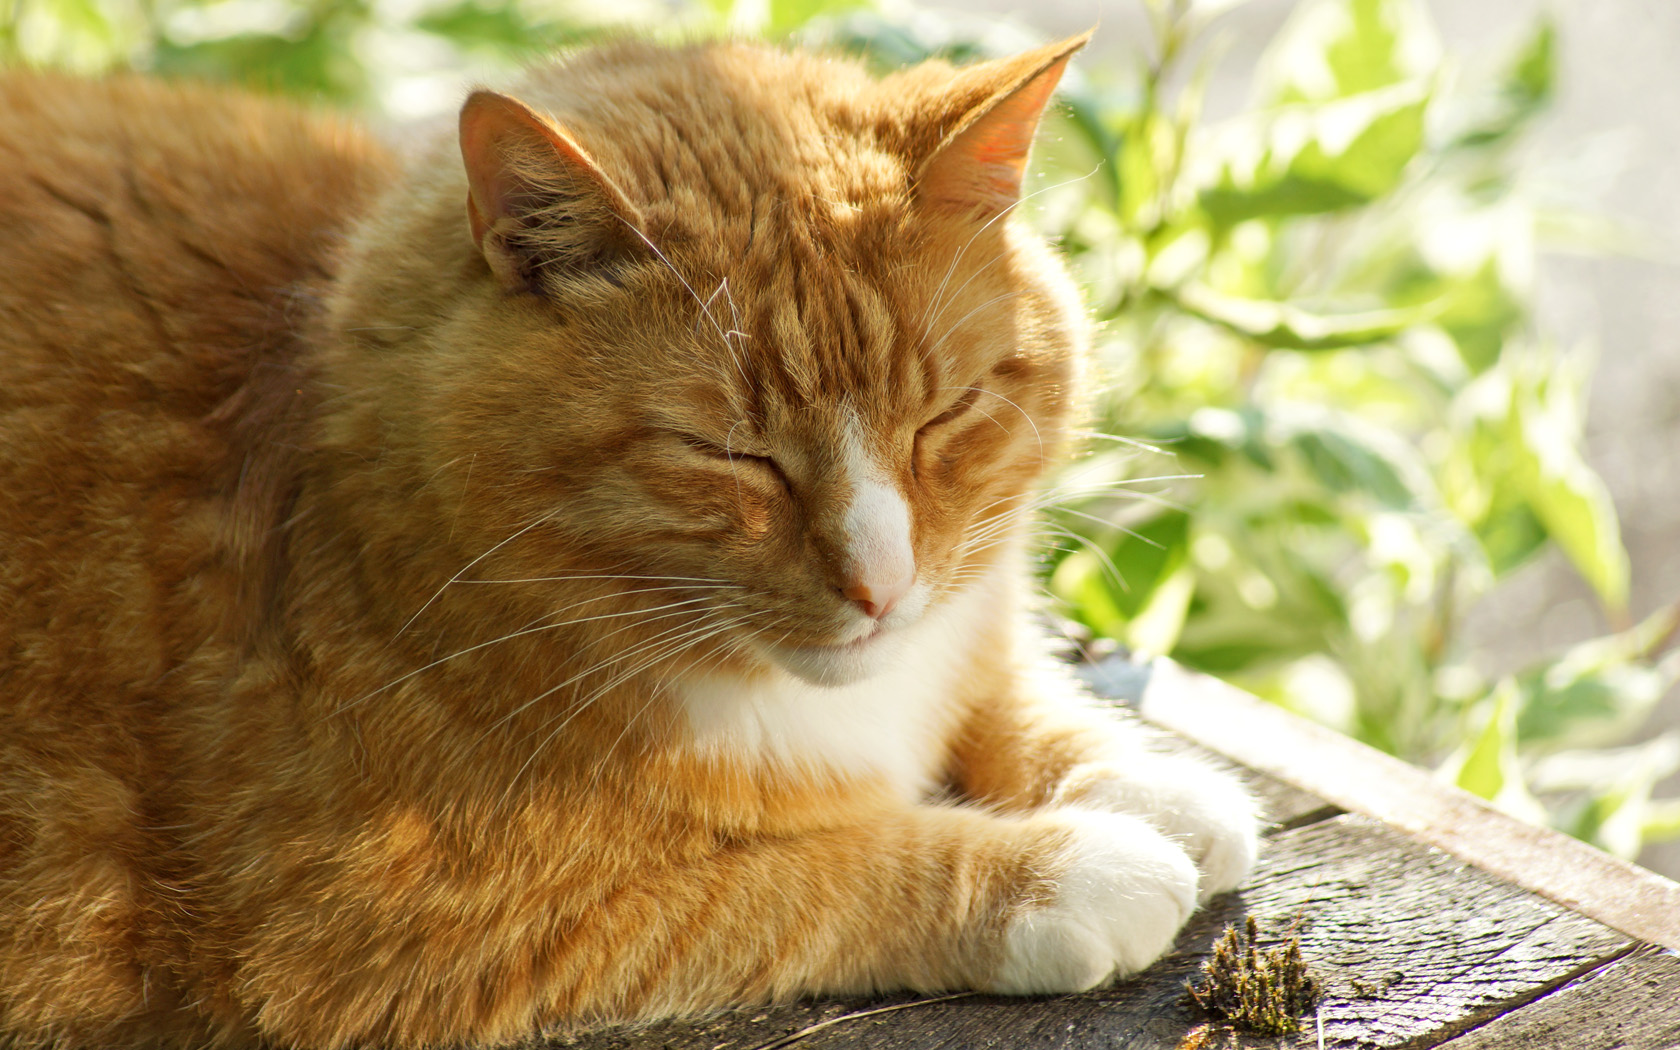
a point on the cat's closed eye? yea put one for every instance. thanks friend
(956, 409)
(713, 451)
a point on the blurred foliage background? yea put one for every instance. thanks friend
(1330, 422)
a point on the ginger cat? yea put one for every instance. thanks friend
(580, 579)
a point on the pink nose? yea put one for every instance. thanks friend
(877, 597)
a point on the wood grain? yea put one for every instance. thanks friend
(1630, 1004)
(1257, 735)
(1414, 946)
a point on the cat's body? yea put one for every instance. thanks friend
(582, 587)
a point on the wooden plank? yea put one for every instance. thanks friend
(1631, 1003)
(1368, 902)
(1255, 734)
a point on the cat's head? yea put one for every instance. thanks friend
(748, 322)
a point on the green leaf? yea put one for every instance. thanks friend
(1081, 582)
(1304, 160)
(1588, 707)
(1533, 73)
(1662, 821)
(1614, 788)
(1525, 89)
(1230, 658)
(1567, 495)
(318, 60)
(1345, 463)
(1482, 770)
(1263, 597)
(500, 29)
(1476, 308)
(1510, 535)
(1600, 690)
(1286, 326)
(1488, 766)
(1574, 505)
(1156, 628)
(1366, 56)
(1336, 48)
(1528, 471)
(1146, 554)
(789, 15)
(887, 43)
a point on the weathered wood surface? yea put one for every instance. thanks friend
(1417, 946)
(1413, 945)
(1630, 1004)
(1261, 737)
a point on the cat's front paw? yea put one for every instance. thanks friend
(1119, 895)
(1206, 811)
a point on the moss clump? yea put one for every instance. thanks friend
(1264, 992)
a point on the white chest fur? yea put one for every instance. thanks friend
(893, 724)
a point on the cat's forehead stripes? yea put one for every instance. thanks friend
(817, 330)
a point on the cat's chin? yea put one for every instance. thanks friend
(837, 665)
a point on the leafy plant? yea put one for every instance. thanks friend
(1317, 338)
(1320, 310)
(1323, 309)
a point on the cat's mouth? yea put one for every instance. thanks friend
(838, 663)
(859, 643)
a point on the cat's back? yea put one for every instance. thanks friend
(143, 217)
(160, 250)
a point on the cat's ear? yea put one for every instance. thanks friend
(977, 168)
(535, 199)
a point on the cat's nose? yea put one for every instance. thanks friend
(876, 597)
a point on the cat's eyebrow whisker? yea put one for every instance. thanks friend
(704, 309)
(1036, 435)
(545, 518)
(734, 467)
(928, 351)
(1000, 297)
(955, 259)
(984, 390)
(734, 312)
(931, 317)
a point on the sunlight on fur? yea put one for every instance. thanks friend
(580, 578)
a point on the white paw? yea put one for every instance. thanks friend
(1122, 893)
(1206, 811)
